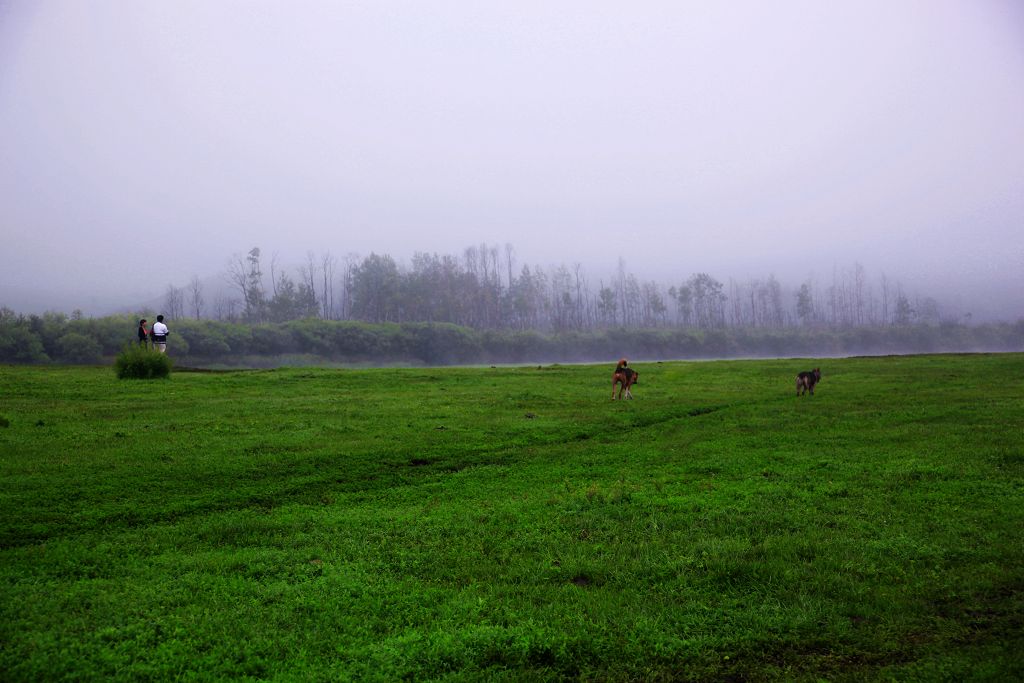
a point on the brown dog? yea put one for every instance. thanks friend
(624, 377)
(805, 381)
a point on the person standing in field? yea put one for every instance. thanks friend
(159, 335)
(143, 333)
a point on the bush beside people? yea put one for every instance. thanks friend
(137, 362)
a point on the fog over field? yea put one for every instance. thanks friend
(144, 143)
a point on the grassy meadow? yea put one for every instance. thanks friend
(514, 523)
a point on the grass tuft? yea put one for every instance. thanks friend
(141, 362)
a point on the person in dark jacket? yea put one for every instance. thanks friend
(143, 333)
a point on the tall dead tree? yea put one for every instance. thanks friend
(174, 302)
(327, 266)
(245, 275)
(195, 295)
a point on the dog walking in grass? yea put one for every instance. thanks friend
(624, 377)
(805, 381)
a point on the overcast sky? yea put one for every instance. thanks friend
(144, 142)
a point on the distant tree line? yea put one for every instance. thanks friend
(482, 308)
(485, 289)
(55, 337)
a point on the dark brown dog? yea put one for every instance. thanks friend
(624, 377)
(805, 381)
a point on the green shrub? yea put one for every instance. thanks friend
(205, 339)
(275, 339)
(75, 347)
(439, 343)
(21, 345)
(139, 362)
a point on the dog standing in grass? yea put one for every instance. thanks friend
(805, 381)
(624, 377)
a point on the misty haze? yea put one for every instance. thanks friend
(561, 340)
(576, 166)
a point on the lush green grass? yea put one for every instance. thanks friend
(510, 523)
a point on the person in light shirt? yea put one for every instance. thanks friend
(159, 334)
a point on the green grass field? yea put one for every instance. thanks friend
(514, 523)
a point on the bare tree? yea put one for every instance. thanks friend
(195, 292)
(308, 272)
(510, 258)
(231, 309)
(226, 308)
(246, 275)
(634, 300)
(174, 302)
(347, 271)
(859, 301)
(220, 308)
(772, 302)
(236, 275)
(654, 308)
(885, 300)
(620, 290)
(736, 307)
(273, 273)
(327, 266)
(469, 256)
(581, 294)
(492, 252)
(606, 304)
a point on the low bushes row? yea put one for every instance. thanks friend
(55, 338)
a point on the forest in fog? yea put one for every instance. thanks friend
(482, 307)
(485, 289)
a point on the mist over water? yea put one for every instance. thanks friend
(146, 144)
